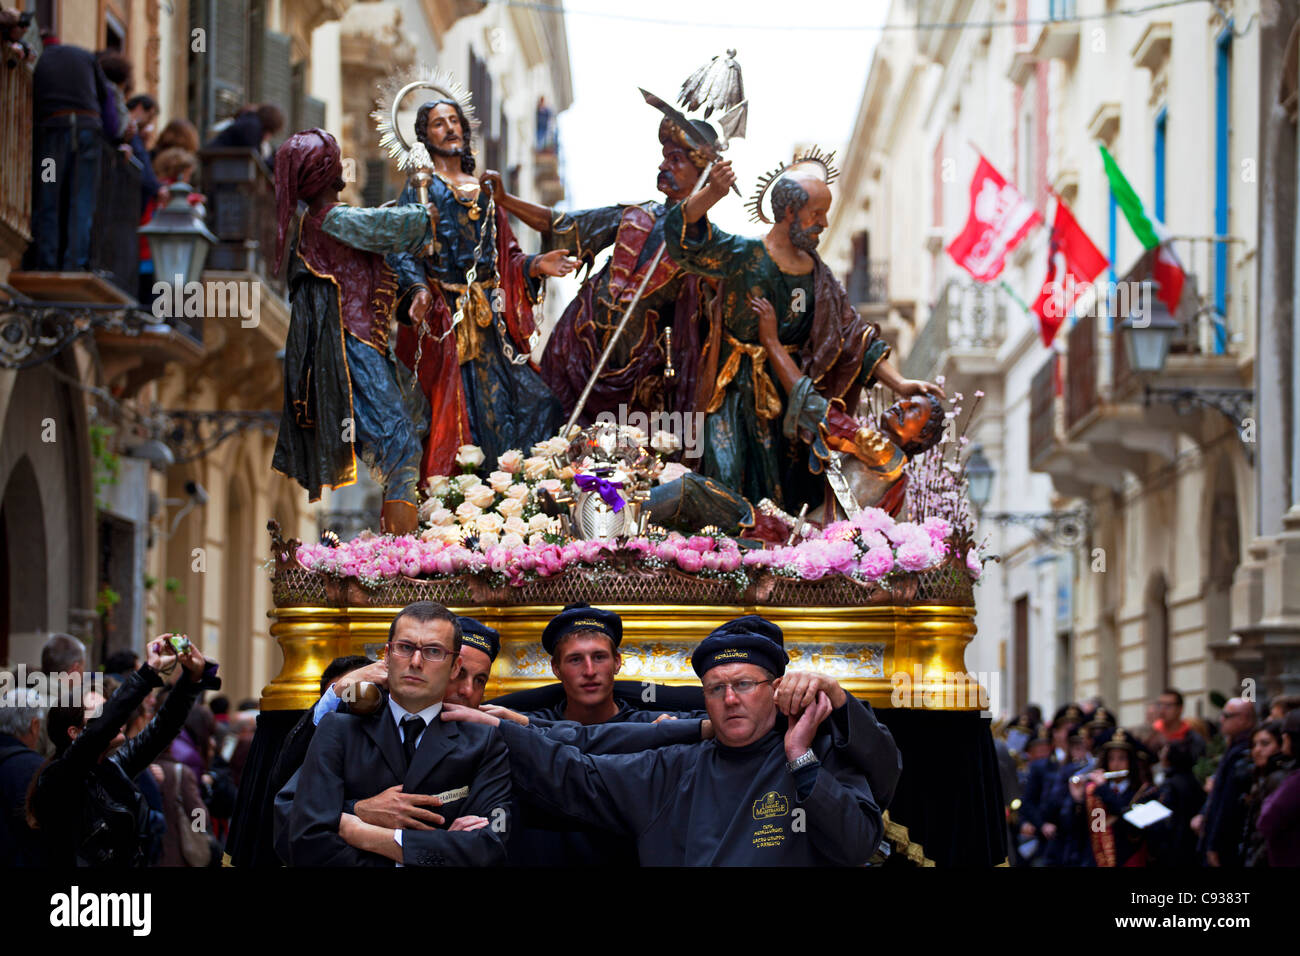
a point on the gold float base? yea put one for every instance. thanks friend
(909, 657)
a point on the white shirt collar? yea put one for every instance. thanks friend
(430, 713)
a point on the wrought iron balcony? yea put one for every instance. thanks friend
(16, 148)
(241, 212)
(965, 329)
(869, 285)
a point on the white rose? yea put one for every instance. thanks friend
(469, 456)
(512, 541)
(481, 495)
(635, 434)
(536, 539)
(489, 521)
(452, 533)
(539, 523)
(536, 468)
(510, 507)
(672, 471)
(467, 512)
(553, 485)
(551, 447)
(487, 540)
(438, 485)
(665, 443)
(517, 491)
(426, 508)
(516, 525)
(431, 534)
(465, 481)
(511, 461)
(499, 481)
(441, 517)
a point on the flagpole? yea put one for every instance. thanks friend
(1012, 292)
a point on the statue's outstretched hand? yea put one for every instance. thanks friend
(557, 262)
(911, 387)
(493, 178)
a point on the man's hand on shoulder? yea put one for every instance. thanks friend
(468, 715)
(399, 811)
(799, 738)
(797, 690)
(345, 687)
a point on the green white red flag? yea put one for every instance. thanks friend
(1166, 269)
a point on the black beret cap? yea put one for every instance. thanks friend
(582, 617)
(480, 636)
(746, 640)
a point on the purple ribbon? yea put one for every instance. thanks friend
(608, 490)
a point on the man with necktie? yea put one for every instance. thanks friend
(403, 742)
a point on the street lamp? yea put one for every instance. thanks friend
(979, 478)
(178, 239)
(1148, 332)
(1053, 528)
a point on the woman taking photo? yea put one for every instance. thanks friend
(84, 801)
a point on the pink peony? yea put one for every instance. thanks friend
(689, 560)
(915, 555)
(876, 563)
(874, 519)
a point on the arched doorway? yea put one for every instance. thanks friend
(24, 594)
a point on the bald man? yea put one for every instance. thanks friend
(1225, 813)
(752, 419)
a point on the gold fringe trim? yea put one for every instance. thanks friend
(897, 834)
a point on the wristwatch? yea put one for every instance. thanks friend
(806, 759)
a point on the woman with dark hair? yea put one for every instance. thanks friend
(179, 133)
(84, 801)
(1271, 767)
(1172, 842)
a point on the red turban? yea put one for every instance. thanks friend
(306, 163)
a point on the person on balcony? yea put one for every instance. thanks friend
(73, 111)
(142, 110)
(341, 387)
(252, 128)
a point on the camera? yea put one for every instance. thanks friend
(179, 642)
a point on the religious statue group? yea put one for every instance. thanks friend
(755, 334)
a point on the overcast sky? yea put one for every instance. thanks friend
(803, 86)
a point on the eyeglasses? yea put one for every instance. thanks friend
(741, 687)
(431, 652)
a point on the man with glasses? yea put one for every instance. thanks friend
(403, 742)
(774, 787)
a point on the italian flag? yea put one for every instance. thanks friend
(1166, 269)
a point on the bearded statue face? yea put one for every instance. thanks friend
(914, 424)
(677, 174)
(802, 203)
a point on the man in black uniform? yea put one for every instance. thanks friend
(769, 789)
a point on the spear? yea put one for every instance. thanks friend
(732, 125)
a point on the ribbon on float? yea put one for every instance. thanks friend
(608, 490)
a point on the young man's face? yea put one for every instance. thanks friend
(585, 663)
(469, 679)
(739, 719)
(414, 682)
(1169, 710)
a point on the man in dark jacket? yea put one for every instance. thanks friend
(775, 787)
(1225, 809)
(72, 110)
(21, 713)
(85, 804)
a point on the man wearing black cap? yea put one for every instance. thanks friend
(583, 642)
(769, 789)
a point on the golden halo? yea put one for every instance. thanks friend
(396, 88)
(811, 160)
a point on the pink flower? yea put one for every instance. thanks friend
(973, 564)
(876, 563)
(937, 528)
(874, 519)
(700, 543)
(730, 560)
(915, 555)
(690, 560)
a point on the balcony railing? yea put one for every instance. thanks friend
(969, 316)
(241, 213)
(114, 242)
(869, 284)
(16, 148)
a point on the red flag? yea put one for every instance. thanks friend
(1072, 263)
(999, 218)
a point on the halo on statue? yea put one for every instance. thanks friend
(811, 160)
(398, 137)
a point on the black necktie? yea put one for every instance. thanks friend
(411, 727)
